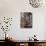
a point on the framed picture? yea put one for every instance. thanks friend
(26, 20)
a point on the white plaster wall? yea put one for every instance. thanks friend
(13, 8)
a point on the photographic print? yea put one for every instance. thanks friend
(26, 20)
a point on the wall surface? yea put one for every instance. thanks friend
(13, 8)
